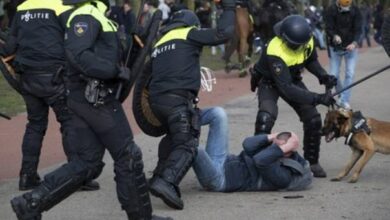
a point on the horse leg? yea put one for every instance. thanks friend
(244, 28)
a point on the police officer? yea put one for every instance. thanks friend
(278, 74)
(39, 64)
(93, 54)
(174, 86)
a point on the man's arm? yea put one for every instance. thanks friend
(270, 169)
(281, 75)
(314, 67)
(11, 42)
(252, 145)
(81, 37)
(223, 32)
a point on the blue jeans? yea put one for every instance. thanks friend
(209, 163)
(350, 58)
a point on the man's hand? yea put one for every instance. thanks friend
(290, 146)
(337, 39)
(325, 99)
(351, 46)
(329, 81)
(124, 73)
(271, 137)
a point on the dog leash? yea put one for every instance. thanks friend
(361, 80)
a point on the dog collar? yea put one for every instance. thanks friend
(359, 124)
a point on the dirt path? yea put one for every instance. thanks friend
(228, 86)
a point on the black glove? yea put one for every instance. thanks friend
(255, 78)
(124, 73)
(329, 81)
(324, 99)
(228, 4)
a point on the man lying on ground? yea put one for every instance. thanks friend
(267, 162)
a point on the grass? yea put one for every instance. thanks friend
(215, 62)
(11, 103)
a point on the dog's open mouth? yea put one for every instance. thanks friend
(329, 137)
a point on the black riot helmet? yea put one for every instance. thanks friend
(74, 2)
(294, 30)
(182, 18)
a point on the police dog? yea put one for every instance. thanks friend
(365, 136)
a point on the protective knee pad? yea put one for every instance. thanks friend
(264, 123)
(312, 139)
(140, 206)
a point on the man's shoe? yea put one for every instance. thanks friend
(167, 192)
(155, 217)
(26, 208)
(90, 186)
(29, 181)
(317, 170)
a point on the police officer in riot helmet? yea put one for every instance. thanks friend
(173, 90)
(93, 73)
(278, 74)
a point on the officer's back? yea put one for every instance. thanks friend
(38, 32)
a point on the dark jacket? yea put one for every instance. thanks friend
(92, 46)
(37, 34)
(249, 171)
(348, 25)
(128, 20)
(37, 39)
(175, 58)
(279, 66)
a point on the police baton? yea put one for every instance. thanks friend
(361, 80)
(5, 116)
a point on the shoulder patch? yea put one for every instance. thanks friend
(277, 68)
(80, 28)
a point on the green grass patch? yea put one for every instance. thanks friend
(11, 103)
(215, 62)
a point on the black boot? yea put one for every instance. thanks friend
(168, 192)
(91, 185)
(29, 181)
(134, 216)
(317, 170)
(28, 205)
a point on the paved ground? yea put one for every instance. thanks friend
(367, 199)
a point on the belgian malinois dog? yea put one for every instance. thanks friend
(365, 136)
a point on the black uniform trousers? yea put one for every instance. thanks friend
(98, 128)
(268, 96)
(177, 150)
(39, 93)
